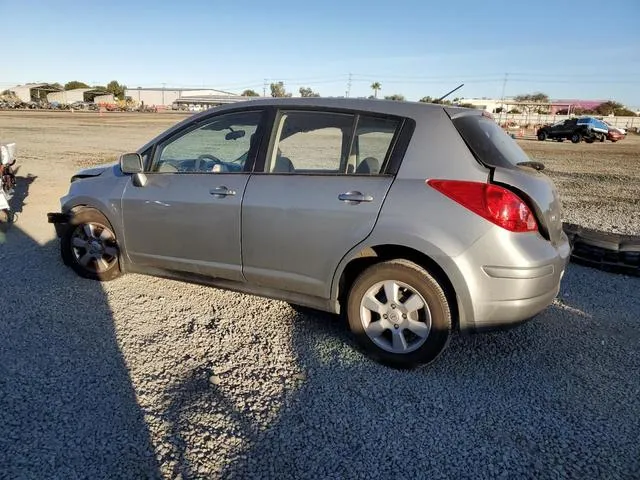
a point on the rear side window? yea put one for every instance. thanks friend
(312, 141)
(488, 142)
(324, 142)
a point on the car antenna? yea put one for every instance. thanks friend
(447, 94)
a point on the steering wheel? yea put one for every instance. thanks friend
(206, 156)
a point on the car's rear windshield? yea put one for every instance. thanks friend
(489, 143)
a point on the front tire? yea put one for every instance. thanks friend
(89, 246)
(399, 314)
(542, 136)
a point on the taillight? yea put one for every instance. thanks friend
(492, 202)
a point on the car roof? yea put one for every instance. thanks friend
(393, 107)
(410, 109)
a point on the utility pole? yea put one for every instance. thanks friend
(264, 88)
(163, 86)
(349, 86)
(504, 86)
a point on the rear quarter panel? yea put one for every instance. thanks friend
(415, 215)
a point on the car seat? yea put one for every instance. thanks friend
(369, 166)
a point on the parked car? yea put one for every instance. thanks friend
(620, 130)
(411, 220)
(577, 129)
(614, 135)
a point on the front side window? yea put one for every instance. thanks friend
(309, 142)
(220, 146)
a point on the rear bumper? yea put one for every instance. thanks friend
(511, 279)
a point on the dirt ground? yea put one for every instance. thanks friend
(599, 183)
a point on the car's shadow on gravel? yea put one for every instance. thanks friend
(554, 398)
(68, 406)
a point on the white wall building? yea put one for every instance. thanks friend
(23, 92)
(68, 96)
(167, 96)
(487, 104)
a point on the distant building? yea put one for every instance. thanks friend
(104, 98)
(167, 96)
(80, 95)
(488, 104)
(68, 96)
(560, 105)
(30, 91)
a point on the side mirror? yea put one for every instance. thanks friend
(131, 163)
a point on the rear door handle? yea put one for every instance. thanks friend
(354, 197)
(222, 191)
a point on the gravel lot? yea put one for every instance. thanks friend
(599, 183)
(151, 378)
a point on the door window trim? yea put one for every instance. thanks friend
(254, 150)
(395, 152)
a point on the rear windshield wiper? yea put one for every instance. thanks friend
(532, 164)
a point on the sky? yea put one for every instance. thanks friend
(568, 50)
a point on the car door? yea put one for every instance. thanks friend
(317, 195)
(568, 127)
(186, 217)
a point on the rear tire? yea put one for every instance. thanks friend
(576, 138)
(89, 246)
(409, 329)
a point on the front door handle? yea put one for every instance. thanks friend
(222, 191)
(354, 197)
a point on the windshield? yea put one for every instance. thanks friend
(489, 143)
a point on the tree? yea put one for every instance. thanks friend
(537, 97)
(277, 90)
(250, 93)
(116, 89)
(426, 99)
(615, 108)
(375, 86)
(307, 92)
(624, 112)
(395, 96)
(72, 85)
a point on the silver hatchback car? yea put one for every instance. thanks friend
(410, 219)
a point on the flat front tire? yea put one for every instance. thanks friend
(89, 246)
(399, 314)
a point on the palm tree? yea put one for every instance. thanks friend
(375, 86)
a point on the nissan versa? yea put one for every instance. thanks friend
(412, 220)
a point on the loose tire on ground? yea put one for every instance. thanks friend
(87, 238)
(415, 286)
